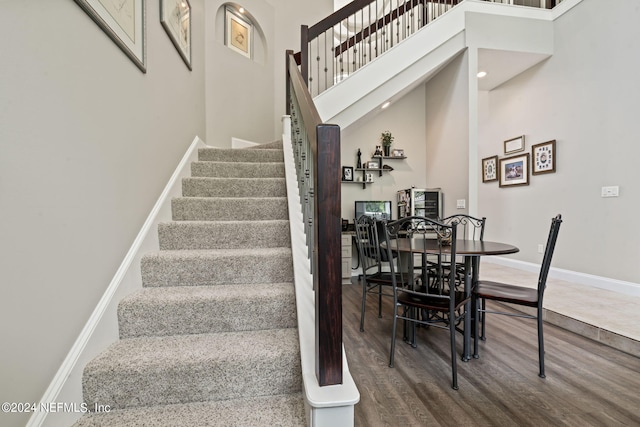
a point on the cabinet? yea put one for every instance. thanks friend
(346, 258)
(421, 202)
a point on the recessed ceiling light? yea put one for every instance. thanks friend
(386, 104)
(241, 10)
(481, 74)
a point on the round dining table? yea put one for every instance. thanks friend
(471, 250)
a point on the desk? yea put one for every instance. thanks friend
(471, 250)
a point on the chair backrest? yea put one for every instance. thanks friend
(470, 227)
(368, 243)
(422, 235)
(548, 254)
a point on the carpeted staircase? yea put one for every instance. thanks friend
(212, 338)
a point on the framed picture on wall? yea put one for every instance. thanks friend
(544, 157)
(373, 165)
(175, 17)
(490, 169)
(239, 33)
(347, 173)
(514, 170)
(124, 22)
(514, 145)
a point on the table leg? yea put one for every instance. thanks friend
(468, 278)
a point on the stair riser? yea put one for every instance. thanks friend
(229, 209)
(234, 187)
(205, 270)
(223, 235)
(245, 155)
(207, 310)
(237, 170)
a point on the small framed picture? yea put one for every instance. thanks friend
(372, 165)
(239, 33)
(544, 157)
(397, 152)
(514, 145)
(490, 169)
(514, 170)
(347, 173)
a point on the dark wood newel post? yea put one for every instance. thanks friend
(287, 85)
(304, 53)
(328, 274)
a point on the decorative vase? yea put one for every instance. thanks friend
(386, 149)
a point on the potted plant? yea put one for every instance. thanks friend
(386, 139)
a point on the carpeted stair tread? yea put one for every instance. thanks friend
(285, 410)
(233, 187)
(229, 208)
(216, 266)
(207, 309)
(194, 368)
(223, 234)
(263, 155)
(237, 169)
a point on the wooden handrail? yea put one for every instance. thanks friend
(324, 141)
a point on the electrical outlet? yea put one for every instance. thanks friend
(540, 248)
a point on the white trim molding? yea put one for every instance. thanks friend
(620, 286)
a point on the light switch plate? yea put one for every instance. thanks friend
(612, 191)
(461, 204)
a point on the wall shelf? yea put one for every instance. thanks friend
(379, 169)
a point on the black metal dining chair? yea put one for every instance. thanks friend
(443, 304)
(519, 295)
(469, 228)
(376, 275)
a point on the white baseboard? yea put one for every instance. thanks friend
(101, 329)
(620, 286)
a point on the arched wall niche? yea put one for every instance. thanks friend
(258, 39)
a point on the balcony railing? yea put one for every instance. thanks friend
(356, 34)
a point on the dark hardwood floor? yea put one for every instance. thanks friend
(587, 383)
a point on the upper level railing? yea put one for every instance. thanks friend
(316, 151)
(356, 34)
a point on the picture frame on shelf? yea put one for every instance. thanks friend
(490, 169)
(514, 170)
(124, 22)
(373, 165)
(175, 17)
(239, 34)
(397, 152)
(514, 145)
(543, 157)
(347, 173)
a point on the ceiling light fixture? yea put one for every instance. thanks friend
(241, 10)
(386, 104)
(481, 74)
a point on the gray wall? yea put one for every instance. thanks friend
(405, 120)
(238, 87)
(586, 97)
(87, 143)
